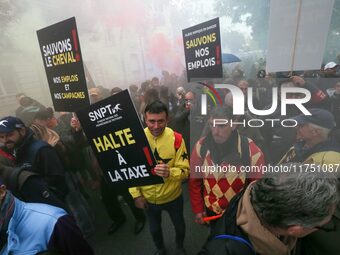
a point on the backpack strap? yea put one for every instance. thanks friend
(178, 140)
(237, 238)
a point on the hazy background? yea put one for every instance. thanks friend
(125, 42)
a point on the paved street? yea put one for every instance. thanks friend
(125, 242)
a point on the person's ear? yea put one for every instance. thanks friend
(22, 131)
(3, 191)
(295, 230)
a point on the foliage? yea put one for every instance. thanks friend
(239, 11)
(257, 12)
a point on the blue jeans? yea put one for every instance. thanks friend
(154, 215)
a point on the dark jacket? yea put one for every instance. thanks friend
(335, 108)
(44, 161)
(226, 237)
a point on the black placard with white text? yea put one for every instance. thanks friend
(202, 48)
(117, 138)
(60, 50)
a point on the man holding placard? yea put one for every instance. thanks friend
(173, 165)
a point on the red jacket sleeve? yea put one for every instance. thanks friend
(256, 159)
(195, 180)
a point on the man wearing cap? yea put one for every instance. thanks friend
(313, 143)
(330, 67)
(329, 76)
(20, 148)
(314, 147)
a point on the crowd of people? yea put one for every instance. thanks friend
(46, 162)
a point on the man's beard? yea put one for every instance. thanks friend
(11, 145)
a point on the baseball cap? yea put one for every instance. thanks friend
(330, 65)
(320, 117)
(10, 123)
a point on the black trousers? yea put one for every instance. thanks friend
(112, 205)
(175, 210)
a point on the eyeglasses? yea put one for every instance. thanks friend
(329, 227)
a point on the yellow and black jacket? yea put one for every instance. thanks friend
(164, 150)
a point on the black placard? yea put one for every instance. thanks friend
(202, 48)
(117, 138)
(60, 50)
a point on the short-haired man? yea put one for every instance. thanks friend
(211, 188)
(173, 165)
(269, 216)
(314, 146)
(32, 228)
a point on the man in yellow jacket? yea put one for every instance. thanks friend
(320, 154)
(173, 165)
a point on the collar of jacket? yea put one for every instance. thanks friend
(302, 153)
(264, 241)
(22, 147)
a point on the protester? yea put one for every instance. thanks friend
(315, 147)
(108, 192)
(95, 95)
(181, 123)
(28, 108)
(210, 188)
(23, 148)
(133, 89)
(313, 143)
(197, 120)
(32, 228)
(173, 166)
(278, 139)
(269, 216)
(75, 201)
(329, 76)
(115, 90)
(180, 93)
(45, 117)
(335, 103)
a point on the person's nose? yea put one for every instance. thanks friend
(214, 131)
